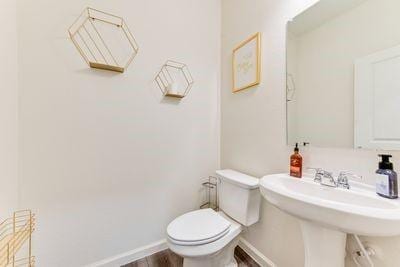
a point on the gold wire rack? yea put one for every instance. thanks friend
(15, 233)
(174, 79)
(88, 34)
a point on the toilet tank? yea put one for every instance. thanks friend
(239, 196)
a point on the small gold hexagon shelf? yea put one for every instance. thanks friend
(174, 79)
(103, 40)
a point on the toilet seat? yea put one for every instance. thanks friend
(209, 248)
(198, 228)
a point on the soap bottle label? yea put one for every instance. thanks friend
(294, 169)
(382, 184)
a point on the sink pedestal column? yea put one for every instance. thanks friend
(323, 246)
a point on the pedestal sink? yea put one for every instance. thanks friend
(327, 214)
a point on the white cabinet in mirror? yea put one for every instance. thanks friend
(343, 64)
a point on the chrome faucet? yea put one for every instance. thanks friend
(326, 178)
(343, 179)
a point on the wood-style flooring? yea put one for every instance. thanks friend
(167, 258)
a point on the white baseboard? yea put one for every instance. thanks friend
(254, 253)
(139, 253)
(131, 256)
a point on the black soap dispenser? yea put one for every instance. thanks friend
(386, 179)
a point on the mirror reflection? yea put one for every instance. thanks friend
(343, 69)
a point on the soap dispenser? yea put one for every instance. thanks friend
(386, 179)
(296, 163)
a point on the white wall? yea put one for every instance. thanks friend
(324, 75)
(253, 138)
(106, 162)
(8, 109)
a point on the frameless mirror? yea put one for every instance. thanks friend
(343, 69)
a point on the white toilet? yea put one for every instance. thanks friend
(205, 238)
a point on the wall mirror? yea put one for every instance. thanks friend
(343, 75)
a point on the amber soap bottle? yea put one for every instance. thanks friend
(296, 163)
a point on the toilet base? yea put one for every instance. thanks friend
(223, 258)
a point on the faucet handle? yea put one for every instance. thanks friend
(319, 172)
(343, 179)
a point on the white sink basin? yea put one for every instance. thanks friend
(326, 214)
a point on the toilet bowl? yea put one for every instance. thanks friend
(206, 238)
(209, 241)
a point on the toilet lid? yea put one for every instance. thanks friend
(198, 226)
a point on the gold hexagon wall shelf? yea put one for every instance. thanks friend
(174, 79)
(103, 40)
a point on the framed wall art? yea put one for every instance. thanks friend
(246, 63)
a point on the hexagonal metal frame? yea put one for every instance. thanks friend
(91, 15)
(164, 78)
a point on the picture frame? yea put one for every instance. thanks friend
(246, 63)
